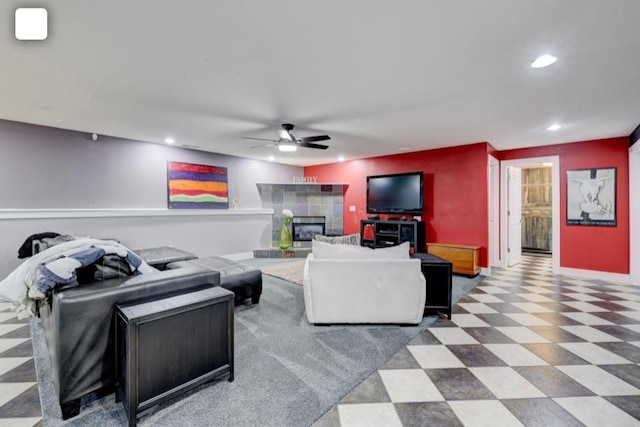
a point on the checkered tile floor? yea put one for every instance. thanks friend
(524, 347)
(19, 399)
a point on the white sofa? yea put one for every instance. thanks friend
(354, 284)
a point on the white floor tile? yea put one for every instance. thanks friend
(409, 385)
(434, 357)
(527, 319)
(594, 411)
(483, 413)
(541, 283)
(590, 334)
(476, 307)
(505, 383)
(582, 297)
(464, 320)
(9, 391)
(535, 297)
(9, 343)
(19, 422)
(452, 336)
(598, 380)
(633, 305)
(515, 355)
(538, 289)
(485, 298)
(593, 353)
(584, 306)
(631, 314)
(522, 335)
(495, 289)
(531, 307)
(625, 288)
(586, 318)
(368, 415)
(9, 363)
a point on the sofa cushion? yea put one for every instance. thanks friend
(323, 250)
(349, 239)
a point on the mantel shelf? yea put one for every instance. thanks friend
(303, 183)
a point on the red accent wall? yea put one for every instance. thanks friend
(455, 190)
(589, 247)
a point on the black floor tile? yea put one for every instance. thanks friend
(424, 338)
(552, 382)
(556, 334)
(541, 413)
(629, 404)
(488, 335)
(497, 319)
(22, 332)
(23, 373)
(330, 419)
(402, 360)
(371, 390)
(505, 307)
(426, 414)
(24, 349)
(474, 355)
(622, 349)
(629, 373)
(558, 319)
(26, 404)
(618, 331)
(459, 384)
(554, 354)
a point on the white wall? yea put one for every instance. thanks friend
(44, 168)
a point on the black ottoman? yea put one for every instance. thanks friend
(241, 279)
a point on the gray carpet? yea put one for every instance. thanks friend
(287, 372)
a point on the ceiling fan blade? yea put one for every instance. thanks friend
(263, 146)
(316, 138)
(312, 145)
(258, 139)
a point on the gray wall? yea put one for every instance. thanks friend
(49, 168)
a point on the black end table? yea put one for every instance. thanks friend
(438, 273)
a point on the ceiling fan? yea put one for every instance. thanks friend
(288, 142)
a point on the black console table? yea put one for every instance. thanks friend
(438, 273)
(168, 346)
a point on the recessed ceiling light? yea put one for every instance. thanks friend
(272, 158)
(554, 126)
(341, 159)
(169, 141)
(543, 61)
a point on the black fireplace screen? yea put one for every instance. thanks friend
(305, 227)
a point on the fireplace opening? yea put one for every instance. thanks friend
(305, 227)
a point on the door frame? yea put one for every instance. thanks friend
(555, 207)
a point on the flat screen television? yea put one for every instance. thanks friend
(395, 194)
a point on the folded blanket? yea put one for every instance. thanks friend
(16, 286)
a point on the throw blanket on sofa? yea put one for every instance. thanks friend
(57, 265)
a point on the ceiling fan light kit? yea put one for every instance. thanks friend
(287, 142)
(287, 147)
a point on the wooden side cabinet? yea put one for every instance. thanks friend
(464, 257)
(168, 346)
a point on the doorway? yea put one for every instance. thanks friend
(511, 209)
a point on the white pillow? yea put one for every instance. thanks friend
(323, 250)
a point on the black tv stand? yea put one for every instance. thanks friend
(379, 234)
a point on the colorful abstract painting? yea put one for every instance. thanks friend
(194, 186)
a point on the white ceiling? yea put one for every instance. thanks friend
(379, 77)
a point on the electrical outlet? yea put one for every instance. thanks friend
(352, 208)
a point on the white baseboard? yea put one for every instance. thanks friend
(485, 271)
(593, 274)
